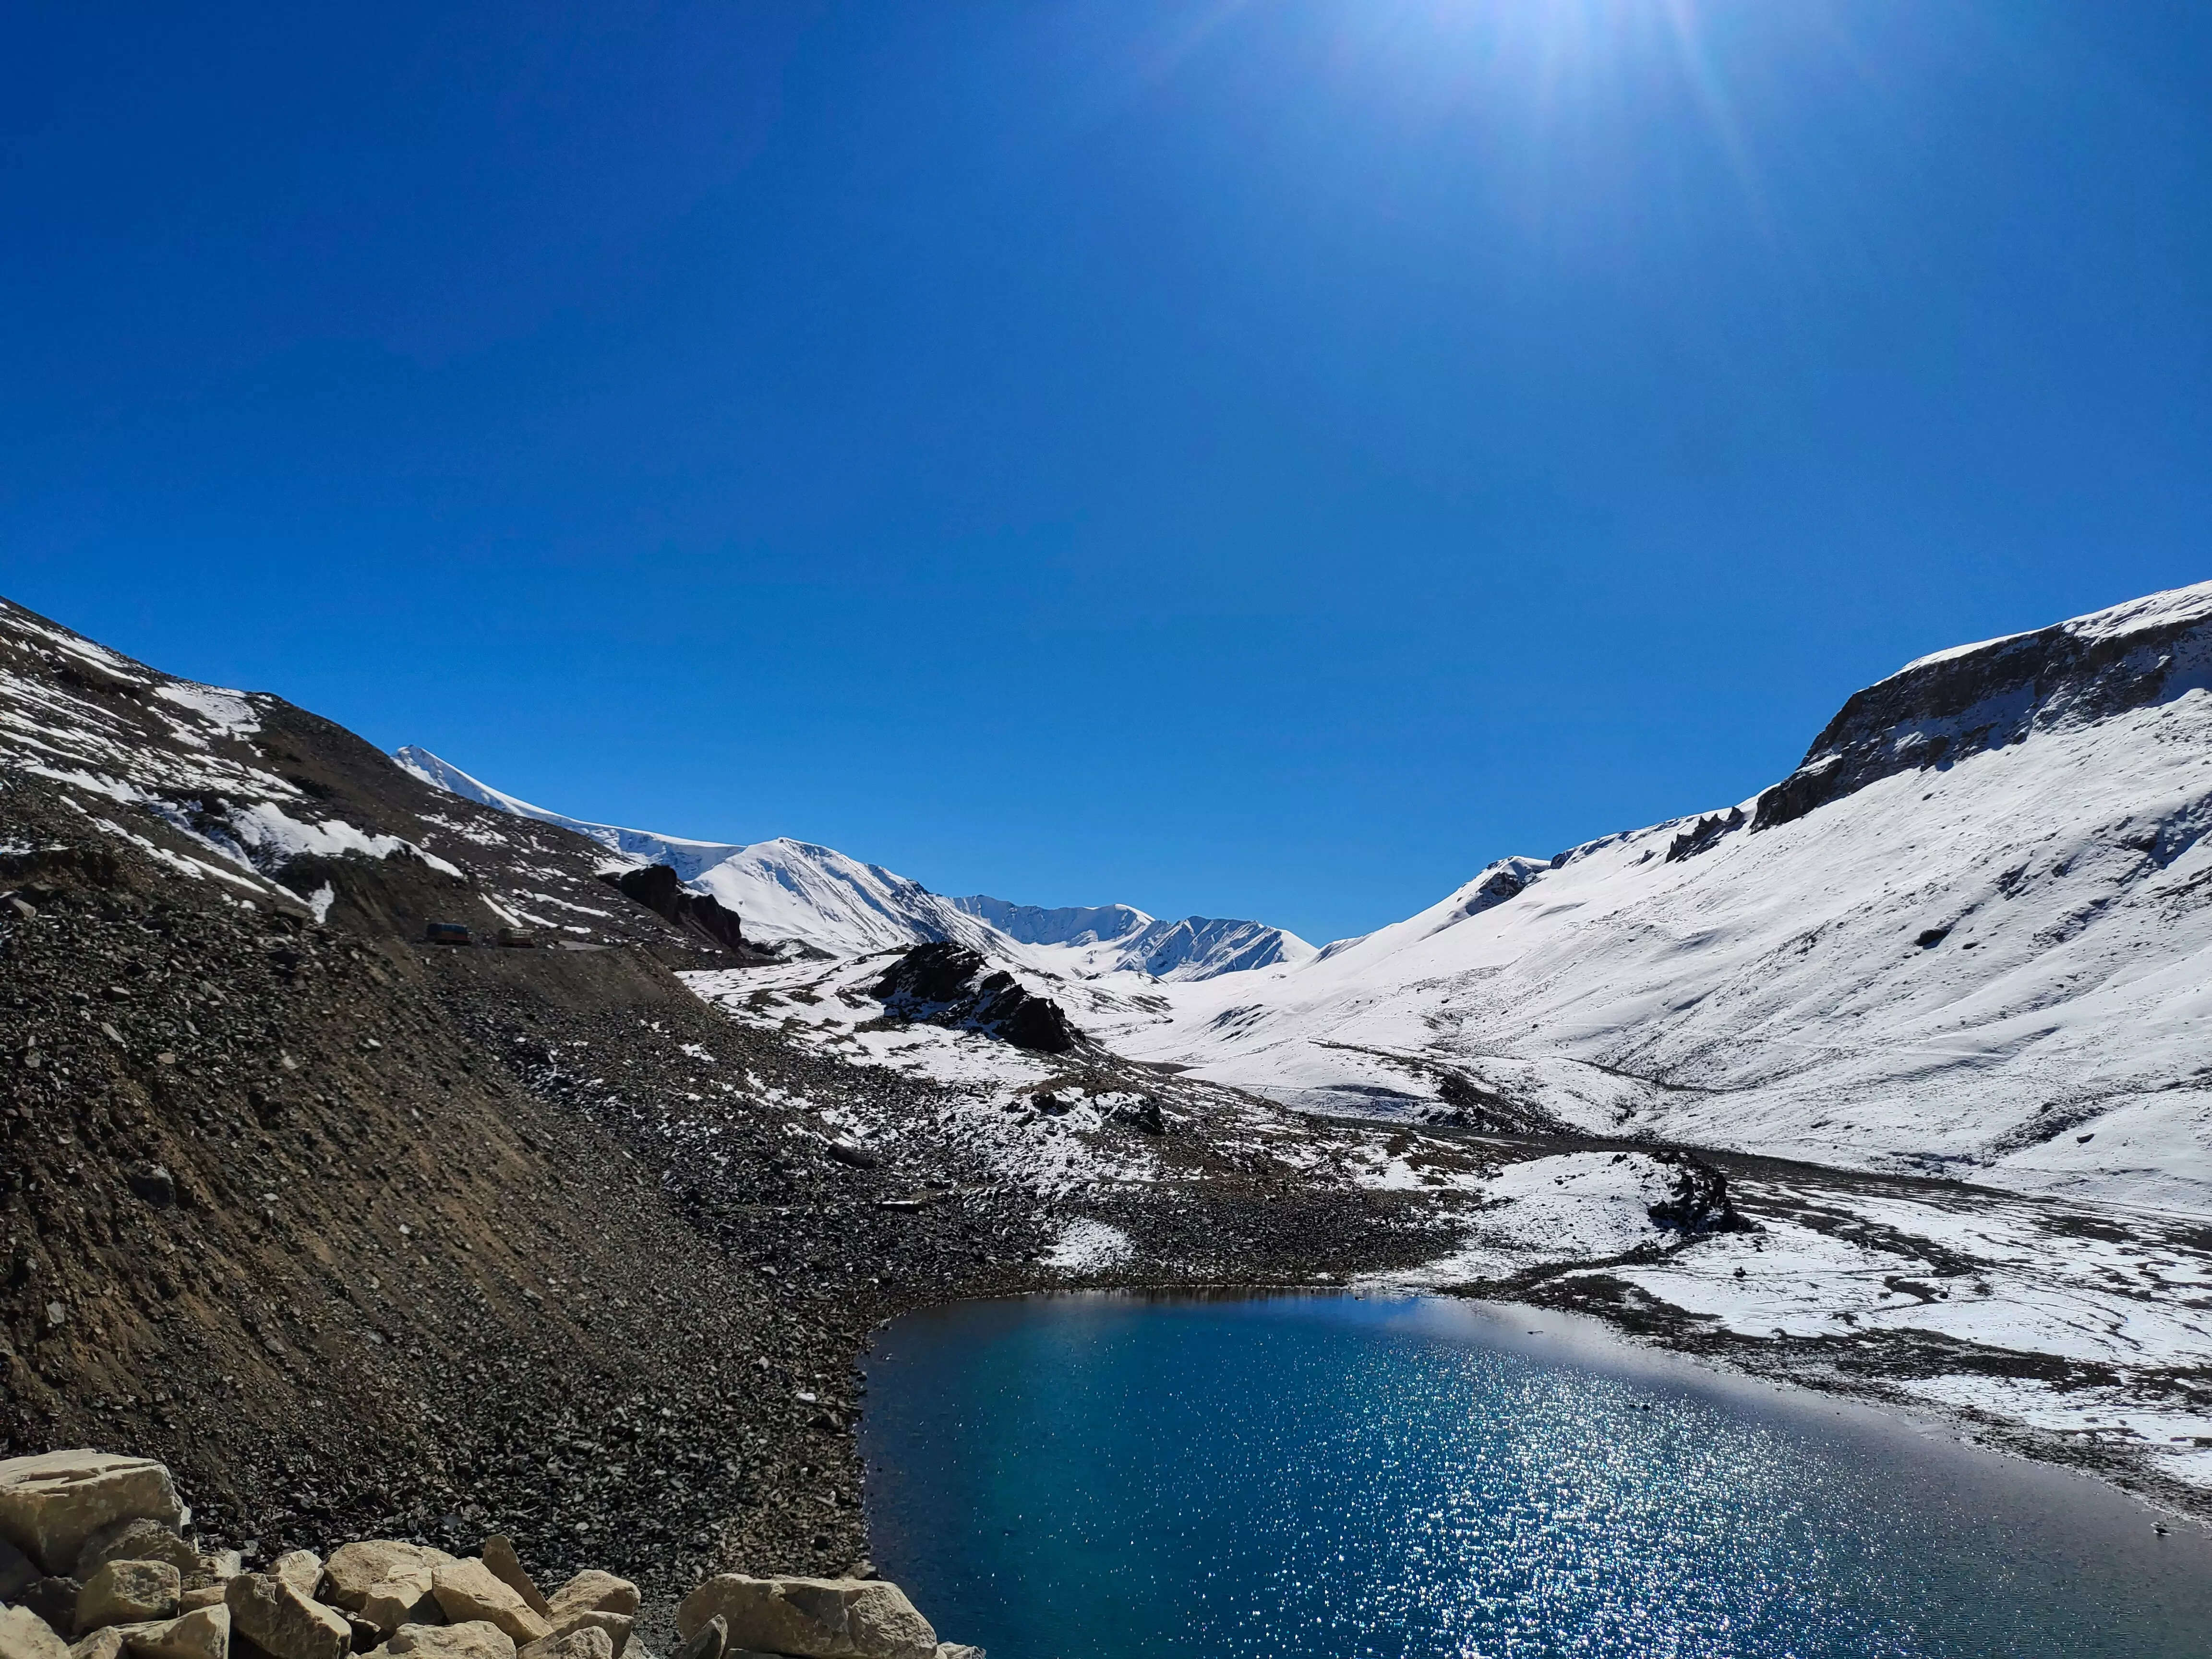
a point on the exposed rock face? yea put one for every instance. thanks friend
(302, 1568)
(406, 1598)
(658, 888)
(582, 1642)
(950, 985)
(617, 1626)
(1942, 709)
(52, 1504)
(53, 1599)
(1704, 836)
(815, 1617)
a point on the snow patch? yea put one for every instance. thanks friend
(1089, 1247)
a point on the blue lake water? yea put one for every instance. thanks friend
(1103, 1477)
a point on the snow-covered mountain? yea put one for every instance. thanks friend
(688, 859)
(793, 892)
(1094, 940)
(1970, 935)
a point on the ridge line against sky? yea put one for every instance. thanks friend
(1235, 460)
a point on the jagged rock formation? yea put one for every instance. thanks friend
(657, 888)
(1968, 699)
(950, 985)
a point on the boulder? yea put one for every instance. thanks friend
(356, 1569)
(203, 1634)
(405, 1598)
(136, 1540)
(18, 1572)
(207, 1596)
(50, 1504)
(617, 1625)
(469, 1590)
(594, 1591)
(812, 1618)
(24, 1635)
(128, 1593)
(302, 1568)
(710, 1641)
(100, 1644)
(957, 1651)
(506, 1566)
(218, 1567)
(282, 1622)
(585, 1642)
(474, 1638)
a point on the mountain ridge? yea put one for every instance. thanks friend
(788, 891)
(1969, 934)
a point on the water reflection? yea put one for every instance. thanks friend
(1087, 1478)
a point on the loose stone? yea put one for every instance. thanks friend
(128, 1593)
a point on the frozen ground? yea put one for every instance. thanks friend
(2072, 1329)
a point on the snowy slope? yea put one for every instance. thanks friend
(795, 890)
(1087, 941)
(1971, 934)
(687, 858)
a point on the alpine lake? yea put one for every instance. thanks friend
(1111, 1475)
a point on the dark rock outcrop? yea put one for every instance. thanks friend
(657, 887)
(1700, 1202)
(1704, 836)
(950, 985)
(1939, 711)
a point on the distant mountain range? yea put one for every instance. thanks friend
(1970, 935)
(793, 892)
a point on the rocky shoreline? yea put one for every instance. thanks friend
(98, 1560)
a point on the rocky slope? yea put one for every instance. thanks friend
(361, 1232)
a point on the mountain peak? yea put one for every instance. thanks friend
(796, 891)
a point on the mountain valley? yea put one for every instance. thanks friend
(1886, 1080)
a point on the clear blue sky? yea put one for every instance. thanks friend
(1261, 459)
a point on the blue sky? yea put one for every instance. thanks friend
(1258, 459)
